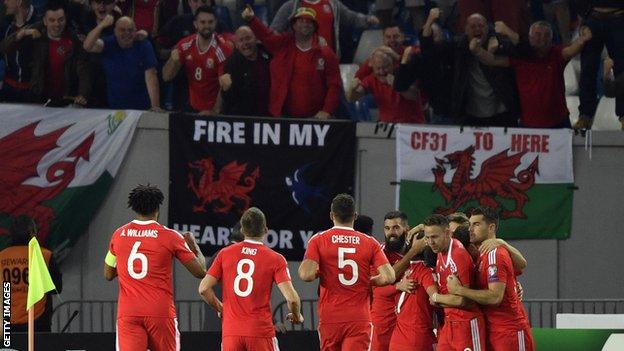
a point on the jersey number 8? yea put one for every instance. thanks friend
(242, 275)
(342, 262)
(136, 255)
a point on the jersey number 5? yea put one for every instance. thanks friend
(136, 255)
(342, 262)
(242, 275)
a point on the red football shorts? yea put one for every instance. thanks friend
(352, 336)
(514, 340)
(462, 335)
(415, 341)
(381, 337)
(248, 343)
(142, 333)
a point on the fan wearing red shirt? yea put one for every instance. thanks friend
(539, 76)
(393, 39)
(140, 254)
(464, 326)
(305, 78)
(414, 324)
(247, 271)
(508, 328)
(394, 106)
(342, 259)
(202, 55)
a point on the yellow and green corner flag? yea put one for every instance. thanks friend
(39, 280)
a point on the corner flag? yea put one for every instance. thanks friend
(39, 280)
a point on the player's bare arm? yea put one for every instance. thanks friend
(110, 266)
(293, 302)
(308, 270)
(519, 262)
(196, 266)
(386, 275)
(414, 246)
(491, 296)
(206, 290)
(448, 300)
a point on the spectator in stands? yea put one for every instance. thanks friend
(433, 68)
(539, 76)
(305, 79)
(330, 15)
(613, 86)
(144, 12)
(605, 18)
(202, 55)
(513, 12)
(20, 14)
(130, 65)
(560, 10)
(416, 9)
(393, 40)
(481, 95)
(89, 17)
(178, 27)
(394, 107)
(247, 79)
(60, 73)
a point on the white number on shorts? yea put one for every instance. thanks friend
(136, 255)
(198, 73)
(241, 274)
(343, 263)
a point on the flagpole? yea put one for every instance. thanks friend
(31, 329)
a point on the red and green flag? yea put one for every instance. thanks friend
(525, 174)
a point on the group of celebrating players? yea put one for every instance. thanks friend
(446, 284)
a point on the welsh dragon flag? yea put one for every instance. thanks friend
(56, 166)
(525, 174)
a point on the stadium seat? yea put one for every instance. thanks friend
(605, 118)
(369, 40)
(571, 76)
(347, 72)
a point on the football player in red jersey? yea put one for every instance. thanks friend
(247, 271)
(464, 326)
(140, 254)
(342, 259)
(508, 328)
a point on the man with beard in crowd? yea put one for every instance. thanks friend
(399, 255)
(202, 55)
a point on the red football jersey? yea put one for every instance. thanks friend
(145, 251)
(385, 297)
(496, 267)
(456, 261)
(414, 313)
(247, 271)
(203, 69)
(345, 258)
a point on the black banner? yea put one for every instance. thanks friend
(290, 169)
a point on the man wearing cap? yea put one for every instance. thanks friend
(331, 16)
(305, 79)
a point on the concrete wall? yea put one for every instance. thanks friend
(588, 265)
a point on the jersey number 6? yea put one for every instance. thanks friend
(342, 262)
(136, 255)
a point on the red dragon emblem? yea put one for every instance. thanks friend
(497, 178)
(223, 190)
(22, 151)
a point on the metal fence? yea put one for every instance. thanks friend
(100, 316)
(542, 312)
